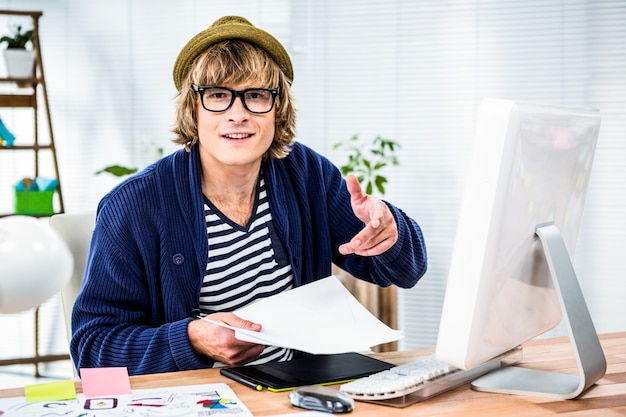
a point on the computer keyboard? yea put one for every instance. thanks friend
(414, 381)
(399, 380)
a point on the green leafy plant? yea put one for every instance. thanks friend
(18, 39)
(148, 148)
(367, 160)
(117, 170)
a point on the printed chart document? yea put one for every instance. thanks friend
(213, 400)
(322, 317)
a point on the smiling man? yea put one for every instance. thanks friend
(242, 212)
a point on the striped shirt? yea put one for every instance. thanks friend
(246, 263)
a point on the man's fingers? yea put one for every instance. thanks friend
(236, 321)
(354, 188)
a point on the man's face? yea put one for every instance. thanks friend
(235, 137)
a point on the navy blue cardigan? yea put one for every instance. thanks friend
(149, 252)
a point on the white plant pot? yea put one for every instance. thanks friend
(20, 63)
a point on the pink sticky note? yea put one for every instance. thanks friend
(102, 382)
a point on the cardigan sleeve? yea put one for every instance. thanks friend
(139, 290)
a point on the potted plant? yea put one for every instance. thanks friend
(20, 61)
(367, 160)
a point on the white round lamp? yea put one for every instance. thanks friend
(35, 263)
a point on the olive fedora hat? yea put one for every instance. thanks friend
(225, 28)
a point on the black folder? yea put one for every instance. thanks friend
(310, 370)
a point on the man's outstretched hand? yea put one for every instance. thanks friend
(380, 231)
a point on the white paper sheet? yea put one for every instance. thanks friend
(320, 318)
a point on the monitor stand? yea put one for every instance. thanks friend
(582, 334)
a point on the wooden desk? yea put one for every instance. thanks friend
(606, 398)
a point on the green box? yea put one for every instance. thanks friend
(34, 202)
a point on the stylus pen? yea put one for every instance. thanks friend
(246, 382)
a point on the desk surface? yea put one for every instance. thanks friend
(606, 398)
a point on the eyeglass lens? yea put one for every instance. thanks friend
(255, 100)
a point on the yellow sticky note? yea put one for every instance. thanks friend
(50, 391)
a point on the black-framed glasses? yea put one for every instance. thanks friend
(218, 99)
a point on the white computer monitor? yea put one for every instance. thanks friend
(511, 277)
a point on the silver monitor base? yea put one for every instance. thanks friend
(582, 334)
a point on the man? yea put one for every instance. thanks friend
(241, 213)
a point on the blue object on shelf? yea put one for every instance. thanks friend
(7, 137)
(37, 184)
(26, 184)
(46, 184)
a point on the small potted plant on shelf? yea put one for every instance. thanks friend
(20, 61)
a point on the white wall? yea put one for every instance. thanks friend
(412, 71)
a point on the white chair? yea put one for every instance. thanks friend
(76, 229)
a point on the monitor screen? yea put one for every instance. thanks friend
(531, 166)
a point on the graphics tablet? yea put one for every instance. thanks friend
(311, 370)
